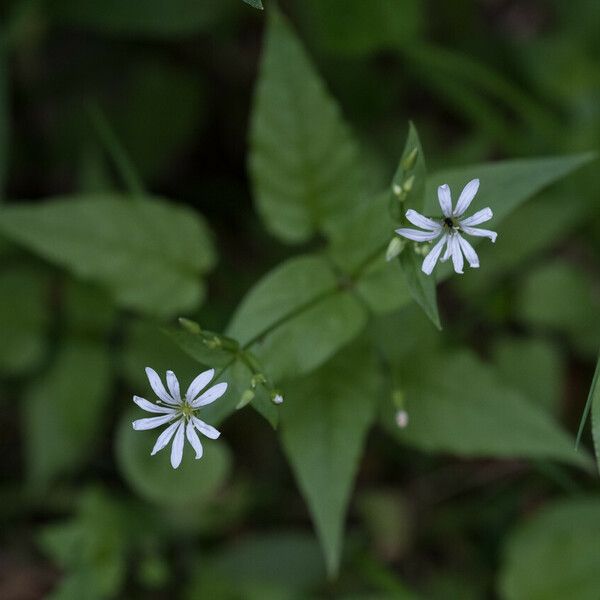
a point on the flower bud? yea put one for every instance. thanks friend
(276, 397)
(246, 398)
(408, 184)
(411, 158)
(394, 248)
(190, 325)
(401, 419)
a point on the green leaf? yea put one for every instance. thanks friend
(325, 419)
(255, 3)
(127, 246)
(535, 367)
(505, 185)
(153, 18)
(411, 173)
(457, 404)
(555, 554)
(421, 286)
(23, 319)
(593, 404)
(153, 477)
(304, 163)
(356, 27)
(64, 411)
(297, 317)
(547, 299)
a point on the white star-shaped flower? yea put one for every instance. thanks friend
(449, 229)
(180, 412)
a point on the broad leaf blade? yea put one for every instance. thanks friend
(325, 419)
(555, 554)
(128, 247)
(303, 161)
(456, 404)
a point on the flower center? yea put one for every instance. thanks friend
(186, 410)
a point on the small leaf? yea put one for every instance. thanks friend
(127, 246)
(304, 163)
(457, 404)
(411, 175)
(153, 477)
(325, 419)
(421, 286)
(555, 554)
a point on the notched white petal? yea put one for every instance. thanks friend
(476, 232)
(149, 407)
(431, 259)
(445, 200)
(421, 221)
(177, 447)
(208, 430)
(173, 385)
(158, 387)
(481, 216)
(418, 236)
(457, 257)
(199, 383)
(210, 395)
(165, 437)
(469, 252)
(152, 422)
(194, 440)
(466, 197)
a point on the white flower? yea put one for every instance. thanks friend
(450, 227)
(181, 413)
(401, 419)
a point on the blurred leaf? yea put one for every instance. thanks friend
(297, 317)
(304, 163)
(90, 548)
(535, 367)
(547, 300)
(23, 319)
(593, 404)
(555, 554)
(256, 3)
(125, 245)
(153, 477)
(325, 419)
(383, 286)
(88, 309)
(286, 561)
(355, 27)
(64, 411)
(457, 404)
(153, 18)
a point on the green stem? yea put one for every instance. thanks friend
(115, 150)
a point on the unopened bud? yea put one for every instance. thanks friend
(411, 158)
(190, 325)
(257, 379)
(408, 184)
(276, 397)
(401, 419)
(246, 398)
(212, 343)
(394, 248)
(396, 189)
(422, 249)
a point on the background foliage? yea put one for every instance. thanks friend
(212, 161)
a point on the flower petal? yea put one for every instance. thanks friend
(445, 200)
(469, 252)
(447, 253)
(208, 430)
(165, 437)
(475, 231)
(158, 387)
(173, 385)
(481, 216)
(152, 422)
(149, 407)
(421, 221)
(199, 383)
(177, 447)
(432, 257)
(457, 257)
(210, 395)
(466, 197)
(194, 440)
(418, 236)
